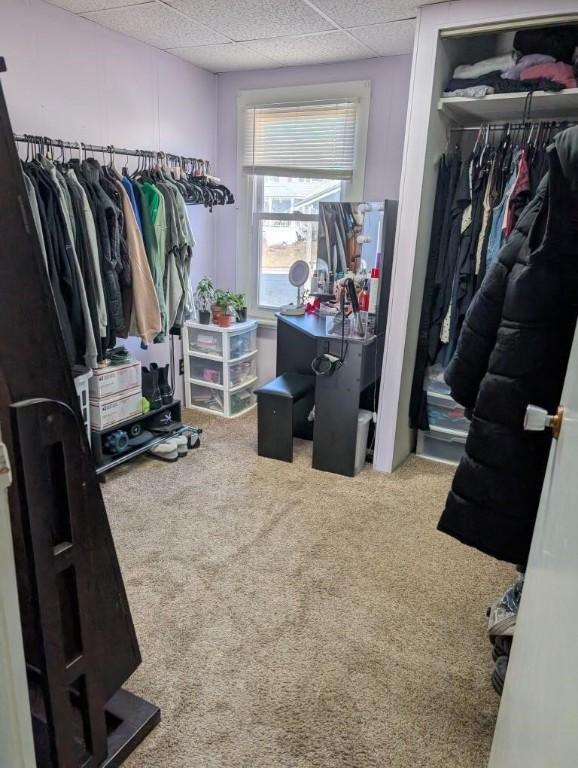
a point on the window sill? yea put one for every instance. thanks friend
(265, 322)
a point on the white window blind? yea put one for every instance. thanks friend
(315, 140)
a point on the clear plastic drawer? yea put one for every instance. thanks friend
(444, 413)
(242, 343)
(206, 397)
(439, 446)
(205, 342)
(242, 372)
(206, 371)
(242, 400)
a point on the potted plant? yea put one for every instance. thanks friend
(216, 305)
(204, 298)
(240, 304)
(227, 309)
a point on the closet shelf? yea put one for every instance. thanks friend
(510, 107)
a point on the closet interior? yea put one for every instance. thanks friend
(486, 157)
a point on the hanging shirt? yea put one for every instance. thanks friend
(128, 186)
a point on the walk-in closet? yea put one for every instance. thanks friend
(288, 383)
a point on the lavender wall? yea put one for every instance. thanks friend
(389, 96)
(69, 78)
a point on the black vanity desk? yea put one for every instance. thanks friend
(299, 340)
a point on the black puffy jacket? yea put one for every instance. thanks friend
(513, 350)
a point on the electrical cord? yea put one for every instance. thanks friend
(172, 365)
(326, 364)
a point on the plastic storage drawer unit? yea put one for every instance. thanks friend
(444, 413)
(441, 445)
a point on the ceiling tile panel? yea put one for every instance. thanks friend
(311, 49)
(254, 19)
(223, 58)
(157, 25)
(364, 12)
(85, 6)
(390, 39)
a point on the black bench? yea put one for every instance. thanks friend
(283, 406)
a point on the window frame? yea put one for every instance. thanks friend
(248, 250)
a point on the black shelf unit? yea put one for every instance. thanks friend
(106, 461)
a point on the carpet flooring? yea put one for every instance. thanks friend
(290, 618)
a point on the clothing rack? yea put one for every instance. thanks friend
(200, 167)
(512, 126)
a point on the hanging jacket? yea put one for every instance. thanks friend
(46, 201)
(512, 352)
(145, 320)
(107, 218)
(62, 262)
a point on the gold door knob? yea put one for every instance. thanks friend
(537, 419)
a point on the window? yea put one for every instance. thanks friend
(297, 147)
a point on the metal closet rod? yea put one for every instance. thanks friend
(110, 149)
(512, 126)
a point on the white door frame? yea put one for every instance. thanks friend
(16, 744)
(406, 293)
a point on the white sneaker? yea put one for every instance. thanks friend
(168, 450)
(182, 444)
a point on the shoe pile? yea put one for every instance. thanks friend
(502, 618)
(176, 446)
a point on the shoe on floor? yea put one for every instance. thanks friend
(182, 444)
(193, 438)
(168, 450)
(502, 647)
(499, 674)
(504, 613)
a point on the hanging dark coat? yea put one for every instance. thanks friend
(513, 351)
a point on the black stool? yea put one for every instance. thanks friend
(283, 406)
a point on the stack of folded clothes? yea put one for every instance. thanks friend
(544, 59)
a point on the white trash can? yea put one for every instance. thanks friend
(363, 421)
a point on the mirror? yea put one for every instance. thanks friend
(349, 239)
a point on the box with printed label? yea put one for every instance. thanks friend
(106, 412)
(117, 378)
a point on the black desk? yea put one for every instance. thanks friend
(337, 397)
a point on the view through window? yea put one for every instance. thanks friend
(285, 220)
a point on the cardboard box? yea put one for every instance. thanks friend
(109, 411)
(116, 378)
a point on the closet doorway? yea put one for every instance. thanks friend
(448, 34)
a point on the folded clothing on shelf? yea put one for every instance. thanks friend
(473, 92)
(486, 66)
(501, 85)
(527, 61)
(558, 72)
(558, 42)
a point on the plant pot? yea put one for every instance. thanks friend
(204, 316)
(223, 320)
(242, 315)
(216, 311)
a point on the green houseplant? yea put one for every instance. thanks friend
(240, 304)
(226, 307)
(204, 298)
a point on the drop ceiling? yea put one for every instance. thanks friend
(227, 35)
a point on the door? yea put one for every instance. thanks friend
(538, 719)
(16, 748)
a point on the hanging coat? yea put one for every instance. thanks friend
(513, 351)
